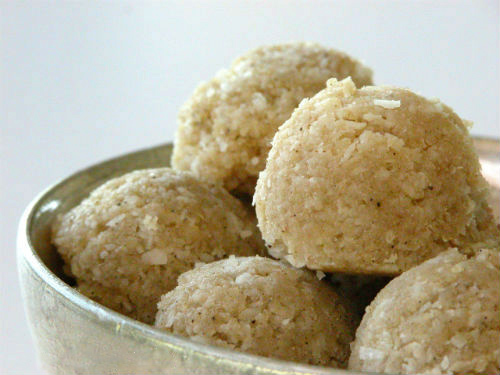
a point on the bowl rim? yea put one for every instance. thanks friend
(27, 252)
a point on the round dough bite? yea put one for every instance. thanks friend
(373, 181)
(441, 317)
(226, 126)
(127, 243)
(260, 306)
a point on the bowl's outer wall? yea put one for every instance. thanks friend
(74, 335)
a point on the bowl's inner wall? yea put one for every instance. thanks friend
(68, 193)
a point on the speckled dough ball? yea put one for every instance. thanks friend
(260, 306)
(441, 317)
(373, 180)
(129, 241)
(226, 127)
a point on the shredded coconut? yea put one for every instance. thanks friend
(320, 275)
(115, 220)
(366, 353)
(155, 257)
(388, 104)
(459, 340)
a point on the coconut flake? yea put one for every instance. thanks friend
(259, 101)
(297, 263)
(223, 146)
(388, 104)
(210, 92)
(457, 268)
(366, 353)
(459, 340)
(150, 223)
(115, 220)
(320, 275)
(154, 257)
(445, 363)
(244, 278)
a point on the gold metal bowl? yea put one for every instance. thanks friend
(75, 335)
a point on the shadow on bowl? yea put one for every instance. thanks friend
(75, 335)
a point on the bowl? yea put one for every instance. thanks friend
(75, 335)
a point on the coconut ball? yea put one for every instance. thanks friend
(373, 180)
(441, 317)
(226, 127)
(260, 306)
(127, 243)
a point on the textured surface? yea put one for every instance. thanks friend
(226, 127)
(372, 180)
(260, 306)
(127, 243)
(441, 317)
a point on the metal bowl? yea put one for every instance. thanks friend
(75, 335)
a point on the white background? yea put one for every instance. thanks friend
(81, 82)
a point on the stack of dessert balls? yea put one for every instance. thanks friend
(369, 245)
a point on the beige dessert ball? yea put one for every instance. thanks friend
(441, 317)
(226, 127)
(260, 306)
(127, 243)
(373, 180)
